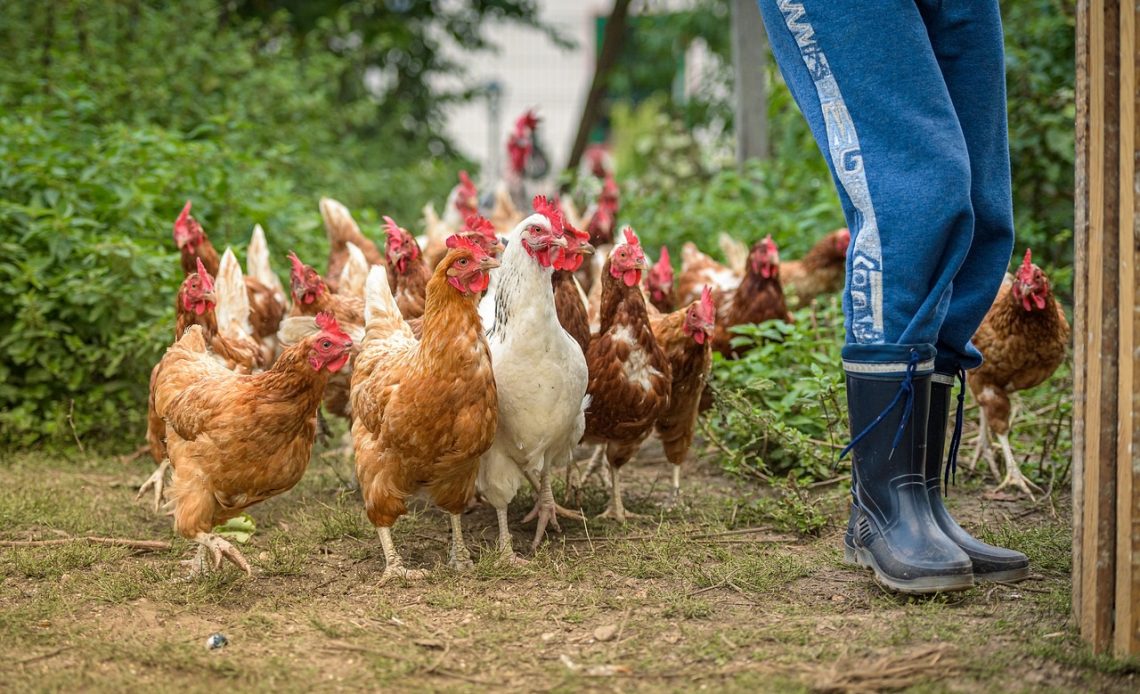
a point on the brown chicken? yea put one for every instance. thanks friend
(759, 297)
(699, 271)
(820, 271)
(629, 372)
(238, 352)
(400, 388)
(312, 296)
(569, 300)
(409, 273)
(659, 284)
(684, 335)
(265, 308)
(603, 215)
(1023, 340)
(342, 230)
(462, 202)
(236, 440)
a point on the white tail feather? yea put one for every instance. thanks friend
(232, 310)
(354, 274)
(257, 263)
(296, 328)
(381, 314)
(735, 252)
(338, 220)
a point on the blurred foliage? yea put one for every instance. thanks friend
(112, 114)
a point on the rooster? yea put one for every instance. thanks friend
(520, 147)
(266, 300)
(659, 284)
(540, 371)
(400, 388)
(820, 271)
(684, 335)
(234, 349)
(343, 233)
(759, 298)
(236, 440)
(1023, 339)
(629, 372)
(462, 202)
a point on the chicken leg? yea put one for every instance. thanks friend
(394, 565)
(506, 546)
(459, 558)
(616, 509)
(546, 509)
(157, 482)
(218, 548)
(983, 448)
(1013, 475)
(674, 497)
(575, 482)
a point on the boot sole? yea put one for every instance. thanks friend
(915, 586)
(1008, 576)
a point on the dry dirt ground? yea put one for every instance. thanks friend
(712, 596)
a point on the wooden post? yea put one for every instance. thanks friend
(749, 57)
(1106, 501)
(611, 45)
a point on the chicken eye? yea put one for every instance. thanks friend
(326, 344)
(462, 262)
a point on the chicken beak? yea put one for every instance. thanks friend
(586, 249)
(489, 263)
(642, 264)
(559, 242)
(210, 296)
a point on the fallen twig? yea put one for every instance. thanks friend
(698, 536)
(43, 656)
(146, 545)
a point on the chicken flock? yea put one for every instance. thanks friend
(476, 357)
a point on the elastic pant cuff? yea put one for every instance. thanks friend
(887, 361)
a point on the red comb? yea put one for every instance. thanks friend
(663, 260)
(527, 121)
(184, 214)
(551, 211)
(298, 267)
(480, 225)
(630, 236)
(1028, 258)
(457, 241)
(393, 229)
(706, 298)
(326, 321)
(465, 180)
(1025, 272)
(207, 281)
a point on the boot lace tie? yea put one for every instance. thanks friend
(906, 390)
(951, 474)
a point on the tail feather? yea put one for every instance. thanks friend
(735, 252)
(257, 264)
(354, 274)
(339, 224)
(381, 314)
(232, 310)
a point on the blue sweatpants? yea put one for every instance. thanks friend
(906, 99)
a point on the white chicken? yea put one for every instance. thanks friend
(540, 373)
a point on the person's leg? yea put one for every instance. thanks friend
(868, 83)
(967, 42)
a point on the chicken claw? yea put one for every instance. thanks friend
(1013, 475)
(616, 509)
(395, 565)
(157, 482)
(547, 510)
(218, 548)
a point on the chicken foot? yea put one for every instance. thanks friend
(459, 558)
(217, 548)
(547, 510)
(616, 509)
(558, 508)
(157, 482)
(506, 546)
(1013, 475)
(576, 481)
(393, 564)
(984, 449)
(674, 498)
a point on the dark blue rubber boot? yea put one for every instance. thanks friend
(895, 532)
(990, 563)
